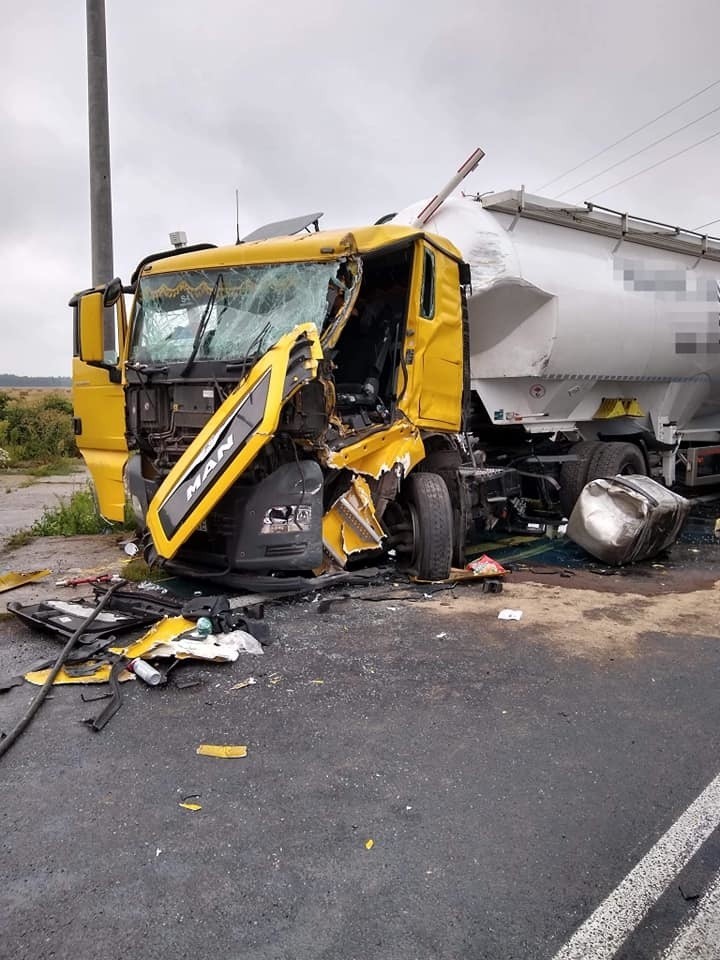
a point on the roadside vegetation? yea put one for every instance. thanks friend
(36, 431)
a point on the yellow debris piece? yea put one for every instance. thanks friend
(369, 844)
(190, 806)
(100, 675)
(219, 750)
(8, 581)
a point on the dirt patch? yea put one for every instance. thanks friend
(589, 623)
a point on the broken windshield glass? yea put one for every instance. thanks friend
(235, 312)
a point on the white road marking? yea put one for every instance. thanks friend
(699, 937)
(605, 930)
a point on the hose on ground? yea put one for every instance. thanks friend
(24, 722)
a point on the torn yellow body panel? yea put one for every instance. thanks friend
(272, 367)
(100, 675)
(350, 526)
(377, 453)
(8, 581)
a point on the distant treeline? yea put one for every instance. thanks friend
(11, 380)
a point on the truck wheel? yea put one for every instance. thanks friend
(612, 459)
(445, 464)
(574, 473)
(428, 502)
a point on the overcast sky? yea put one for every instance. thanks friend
(356, 109)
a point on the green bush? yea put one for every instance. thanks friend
(71, 517)
(36, 430)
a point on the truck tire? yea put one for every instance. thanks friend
(428, 500)
(574, 473)
(612, 459)
(445, 463)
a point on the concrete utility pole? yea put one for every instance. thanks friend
(99, 129)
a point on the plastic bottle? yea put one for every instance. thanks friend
(146, 672)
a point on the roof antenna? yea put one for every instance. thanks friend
(237, 219)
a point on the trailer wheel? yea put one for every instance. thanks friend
(574, 473)
(428, 501)
(612, 459)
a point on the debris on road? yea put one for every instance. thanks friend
(369, 844)
(508, 614)
(11, 580)
(191, 806)
(248, 682)
(485, 566)
(626, 519)
(147, 673)
(225, 752)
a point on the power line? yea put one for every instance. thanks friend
(653, 165)
(708, 224)
(628, 135)
(637, 152)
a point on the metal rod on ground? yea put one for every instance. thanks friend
(19, 727)
(441, 196)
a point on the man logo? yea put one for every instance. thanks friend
(210, 465)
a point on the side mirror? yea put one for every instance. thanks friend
(90, 319)
(112, 293)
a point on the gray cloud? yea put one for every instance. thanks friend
(356, 109)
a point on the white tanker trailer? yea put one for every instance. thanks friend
(592, 326)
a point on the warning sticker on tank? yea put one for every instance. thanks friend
(537, 390)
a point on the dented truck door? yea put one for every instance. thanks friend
(97, 395)
(434, 345)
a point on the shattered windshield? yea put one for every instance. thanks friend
(233, 312)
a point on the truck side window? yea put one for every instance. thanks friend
(427, 297)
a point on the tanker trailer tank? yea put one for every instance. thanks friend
(586, 323)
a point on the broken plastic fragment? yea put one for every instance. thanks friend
(190, 806)
(220, 750)
(369, 844)
(510, 614)
(248, 682)
(8, 581)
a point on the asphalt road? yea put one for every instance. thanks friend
(510, 775)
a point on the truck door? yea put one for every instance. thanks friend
(438, 356)
(99, 332)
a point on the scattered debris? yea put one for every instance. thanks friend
(508, 614)
(227, 752)
(182, 683)
(248, 682)
(369, 844)
(97, 578)
(190, 806)
(274, 678)
(146, 672)
(626, 519)
(317, 681)
(11, 580)
(485, 566)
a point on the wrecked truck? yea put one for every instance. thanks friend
(301, 402)
(286, 406)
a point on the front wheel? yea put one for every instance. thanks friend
(428, 503)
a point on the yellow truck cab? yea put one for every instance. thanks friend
(281, 407)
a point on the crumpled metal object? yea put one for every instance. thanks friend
(626, 519)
